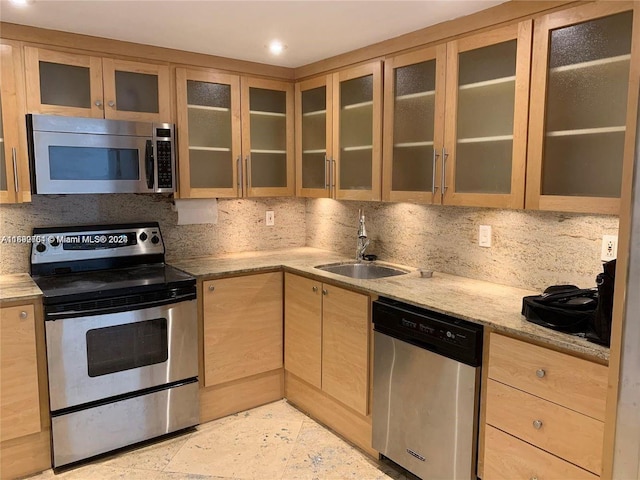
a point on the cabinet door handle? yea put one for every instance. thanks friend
(112, 104)
(23, 315)
(540, 373)
(211, 288)
(327, 169)
(433, 172)
(16, 177)
(314, 289)
(98, 103)
(333, 177)
(240, 182)
(444, 172)
(325, 291)
(537, 424)
(247, 164)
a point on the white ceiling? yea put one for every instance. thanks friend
(312, 30)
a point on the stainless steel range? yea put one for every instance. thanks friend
(121, 334)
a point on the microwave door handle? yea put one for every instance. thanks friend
(148, 164)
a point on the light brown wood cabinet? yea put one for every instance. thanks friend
(235, 135)
(339, 134)
(539, 405)
(455, 121)
(327, 335)
(242, 327)
(579, 108)
(61, 83)
(14, 164)
(24, 433)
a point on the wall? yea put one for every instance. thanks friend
(530, 249)
(240, 223)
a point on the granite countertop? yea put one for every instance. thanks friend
(18, 286)
(494, 305)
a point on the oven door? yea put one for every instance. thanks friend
(92, 163)
(102, 356)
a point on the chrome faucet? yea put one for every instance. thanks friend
(363, 241)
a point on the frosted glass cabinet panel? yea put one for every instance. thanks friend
(63, 83)
(313, 137)
(208, 134)
(484, 158)
(579, 110)
(357, 132)
(414, 100)
(14, 186)
(267, 137)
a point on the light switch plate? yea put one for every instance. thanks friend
(484, 236)
(270, 218)
(609, 247)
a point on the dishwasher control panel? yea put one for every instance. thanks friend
(449, 336)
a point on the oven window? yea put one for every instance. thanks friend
(123, 347)
(93, 163)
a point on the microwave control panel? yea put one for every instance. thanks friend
(165, 164)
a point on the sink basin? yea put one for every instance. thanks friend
(366, 271)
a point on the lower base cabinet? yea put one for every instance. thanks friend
(24, 406)
(328, 351)
(543, 413)
(242, 334)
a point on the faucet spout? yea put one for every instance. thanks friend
(363, 241)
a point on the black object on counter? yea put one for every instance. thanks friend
(601, 321)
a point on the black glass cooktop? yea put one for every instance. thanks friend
(113, 282)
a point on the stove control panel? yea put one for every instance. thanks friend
(67, 244)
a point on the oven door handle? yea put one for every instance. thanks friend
(53, 316)
(148, 164)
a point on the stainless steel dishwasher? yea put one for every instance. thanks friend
(426, 381)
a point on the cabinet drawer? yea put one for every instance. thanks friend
(508, 457)
(560, 378)
(563, 432)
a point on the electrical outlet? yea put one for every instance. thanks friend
(609, 247)
(270, 219)
(484, 236)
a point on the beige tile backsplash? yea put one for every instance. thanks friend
(530, 249)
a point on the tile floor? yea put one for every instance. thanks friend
(271, 442)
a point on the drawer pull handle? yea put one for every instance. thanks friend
(23, 315)
(537, 424)
(211, 288)
(314, 289)
(540, 373)
(325, 291)
(533, 478)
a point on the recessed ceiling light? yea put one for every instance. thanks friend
(21, 3)
(276, 47)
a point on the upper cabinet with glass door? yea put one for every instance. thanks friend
(486, 118)
(209, 137)
(314, 101)
(62, 83)
(267, 137)
(455, 121)
(577, 127)
(357, 132)
(413, 126)
(14, 183)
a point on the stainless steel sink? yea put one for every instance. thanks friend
(365, 270)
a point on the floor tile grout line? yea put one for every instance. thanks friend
(176, 452)
(295, 442)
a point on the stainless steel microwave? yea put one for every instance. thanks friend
(89, 155)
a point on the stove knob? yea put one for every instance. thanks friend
(154, 240)
(143, 237)
(54, 242)
(41, 247)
